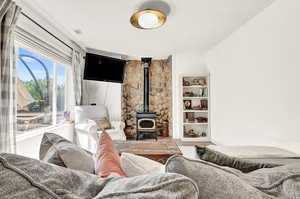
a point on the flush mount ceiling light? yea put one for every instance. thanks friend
(148, 19)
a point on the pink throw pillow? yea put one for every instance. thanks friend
(107, 157)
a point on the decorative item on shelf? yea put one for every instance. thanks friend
(190, 117)
(187, 104)
(195, 82)
(201, 120)
(185, 131)
(202, 82)
(186, 120)
(203, 134)
(198, 107)
(201, 92)
(204, 104)
(188, 94)
(186, 83)
(192, 133)
(205, 92)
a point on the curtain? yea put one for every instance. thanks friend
(77, 65)
(9, 13)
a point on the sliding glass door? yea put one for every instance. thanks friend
(41, 91)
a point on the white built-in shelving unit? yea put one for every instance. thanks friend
(195, 106)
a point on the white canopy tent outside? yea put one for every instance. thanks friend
(24, 98)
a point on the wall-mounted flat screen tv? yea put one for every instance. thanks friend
(102, 68)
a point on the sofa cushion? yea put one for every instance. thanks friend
(59, 151)
(134, 165)
(215, 181)
(48, 151)
(224, 160)
(212, 181)
(107, 157)
(23, 177)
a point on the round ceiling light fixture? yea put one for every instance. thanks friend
(148, 19)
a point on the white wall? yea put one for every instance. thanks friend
(188, 62)
(105, 93)
(30, 145)
(255, 80)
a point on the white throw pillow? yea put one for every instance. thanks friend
(134, 165)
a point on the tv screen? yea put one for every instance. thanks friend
(102, 68)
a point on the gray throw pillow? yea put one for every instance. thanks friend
(59, 151)
(25, 178)
(221, 159)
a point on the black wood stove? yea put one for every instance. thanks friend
(146, 121)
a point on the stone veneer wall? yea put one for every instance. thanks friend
(160, 97)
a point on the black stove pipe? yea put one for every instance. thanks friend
(146, 61)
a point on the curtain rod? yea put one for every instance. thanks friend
(36, 23)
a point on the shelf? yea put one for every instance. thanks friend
(195, 93)
(195, 123)
(194, 139)
(196, 111)
(195, 86)
(195, 97)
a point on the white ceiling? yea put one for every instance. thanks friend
(192, 24)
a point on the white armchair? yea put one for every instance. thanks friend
(87, 134)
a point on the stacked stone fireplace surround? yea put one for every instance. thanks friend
(160, 95)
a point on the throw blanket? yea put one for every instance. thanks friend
(281, 182)
(217, 182)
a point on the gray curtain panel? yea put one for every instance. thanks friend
(9, 13)
(77, 66)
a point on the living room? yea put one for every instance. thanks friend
(144, 99)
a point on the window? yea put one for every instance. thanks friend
(60, 93)
(41, 91)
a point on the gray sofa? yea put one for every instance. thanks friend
(25, 178)
(67, 172)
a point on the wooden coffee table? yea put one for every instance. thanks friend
(159, 151)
